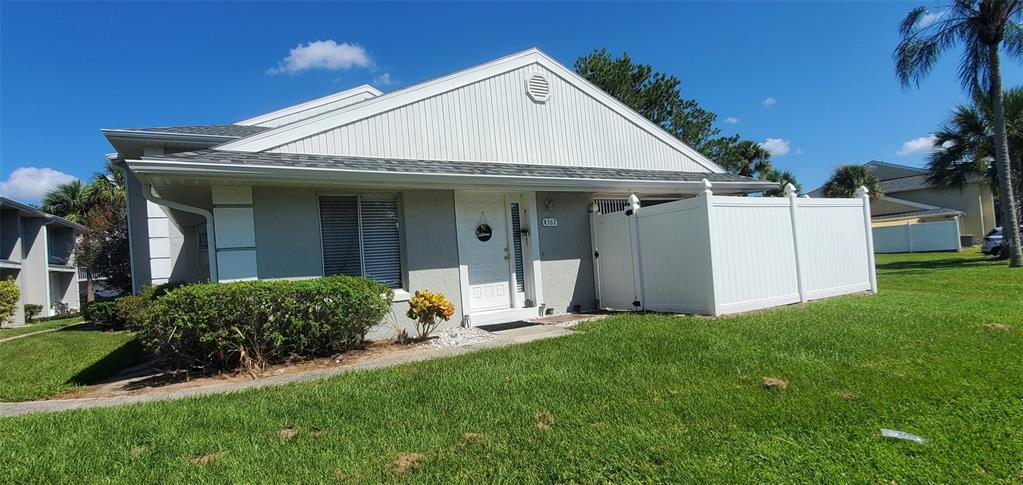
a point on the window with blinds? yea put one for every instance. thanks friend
(520, 272)
(360, 236)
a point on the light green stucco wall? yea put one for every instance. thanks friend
(565, 252)
(975, 201)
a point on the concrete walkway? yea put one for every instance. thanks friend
(502, 338)
(16, 337)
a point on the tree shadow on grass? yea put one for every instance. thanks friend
(125, 356)
(937, 263)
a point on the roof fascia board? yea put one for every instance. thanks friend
(896, 165)
(32, 212)
(165, 136)
(910, 203)
(348, 93)
(318, 174)
(417, 92)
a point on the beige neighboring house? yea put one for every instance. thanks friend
(908, 198)
(37, 252)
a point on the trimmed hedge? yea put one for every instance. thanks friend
(251, 324)
(100, 313)
(9, 295)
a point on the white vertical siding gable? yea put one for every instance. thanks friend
(486, 114)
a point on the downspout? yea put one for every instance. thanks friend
(147, 192)
(131, 232)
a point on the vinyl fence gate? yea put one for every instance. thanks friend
(719, 254)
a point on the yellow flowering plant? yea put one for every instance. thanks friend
(427, 309)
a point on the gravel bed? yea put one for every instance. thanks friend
(460, 337)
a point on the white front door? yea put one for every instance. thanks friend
(486, 253)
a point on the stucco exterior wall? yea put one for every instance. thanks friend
(34, 269)
(974, 201)
(288, 243)
(287, 232)
(431, 249)
(565, 251)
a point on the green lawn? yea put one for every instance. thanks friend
(35, 327)
(39, 366)
(634, 398)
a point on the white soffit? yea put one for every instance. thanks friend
(298, 130)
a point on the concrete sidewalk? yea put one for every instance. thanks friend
(503, 338)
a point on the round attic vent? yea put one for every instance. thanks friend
(538, 88)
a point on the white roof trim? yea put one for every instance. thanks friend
(322, 174)
(910, 203)
(273, 115)
(317, 124)
(896, 165)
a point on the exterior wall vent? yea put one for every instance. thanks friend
(538, 88)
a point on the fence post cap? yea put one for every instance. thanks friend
(862, 191)
(790, 190)
(706, 187)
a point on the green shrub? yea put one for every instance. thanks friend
(9, 295)
(102, 313)
(31, 310)
(254, 323)
(129, 310)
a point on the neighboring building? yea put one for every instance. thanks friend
(477, 184)
(908, 199)
(37, 251)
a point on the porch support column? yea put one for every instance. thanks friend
(235, 233)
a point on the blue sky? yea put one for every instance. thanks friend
(69, 69)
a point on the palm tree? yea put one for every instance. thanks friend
(781, 178)
(749, 159)
(106, 187)
(847, 179)
(965, 145)
(68, 200)
(981, 28)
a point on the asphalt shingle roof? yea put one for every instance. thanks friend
(937, 211)
(904, 184)
(235, 131)
(266, 159)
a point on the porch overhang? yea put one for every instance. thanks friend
(214, 167)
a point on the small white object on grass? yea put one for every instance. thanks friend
(901, 435)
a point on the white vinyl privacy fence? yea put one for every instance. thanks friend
(911, 238)
(715, 255)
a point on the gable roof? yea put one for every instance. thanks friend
(904, 184)
(277, 137)
(322, 167)
(904, 170)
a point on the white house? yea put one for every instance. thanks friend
(478, 184)
(37, 252)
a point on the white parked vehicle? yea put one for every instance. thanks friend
(992, 241)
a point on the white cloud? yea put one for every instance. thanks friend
(383, 79)
(323, 54)
(918, 146)
(929, 18)
(769, 101)
(776, 146)
(731, 120)
(29, 184)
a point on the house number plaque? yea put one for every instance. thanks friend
(549, 222)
